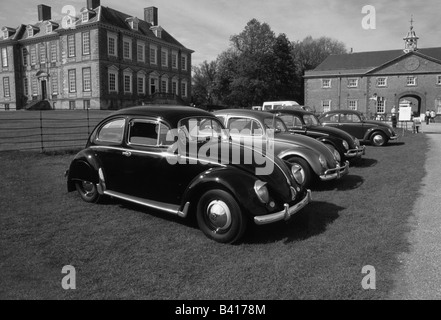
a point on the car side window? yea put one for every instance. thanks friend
(112, 131)
(245, 126)
(330, 118)
(350, 118)
(148, 133)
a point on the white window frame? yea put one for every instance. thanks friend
(112, 72)
(72, 82)
(153, 54)
(174, 58)
(164, 57)
(164, 82)
(175, 86)
(127, 41)
(5, 60)
(184, 62)
(85, 16)
(114, 37)
(381, 82)
(140, 57)
(438, 105)
(326, 105)
(326, 83)
(71, 50)
(413, 83)
(30, 32)
(43, 53)
(353, 83)
(128, 74)
(33, 54)
(54, 84)
(54, 53)
(87, 82)
(141, 76)
(381, 106)
(6, 87)
(49, 28)
(26, 86)
(153, 79)
(184, 89)
(85, 39)
(352, 104)
(24, 56)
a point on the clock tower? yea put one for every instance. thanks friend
(411, 40)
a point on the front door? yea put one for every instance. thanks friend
(43, 90)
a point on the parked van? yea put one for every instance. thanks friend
(271, 105)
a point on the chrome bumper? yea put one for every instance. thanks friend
(285, 214)
(361, 151)
(395, 137)
(336, 173)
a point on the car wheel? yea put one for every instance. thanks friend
(220, 217)
(88, 191)
(378, 139)
(301, 170)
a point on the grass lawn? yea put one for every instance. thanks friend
(121, 251)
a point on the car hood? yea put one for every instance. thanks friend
(333, 132)
(307, 142)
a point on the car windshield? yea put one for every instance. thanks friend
(311, 120)
(276, 124)
(202, 129)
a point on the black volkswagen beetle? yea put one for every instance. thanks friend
(355, 123)
(180, 160)
(306, 123)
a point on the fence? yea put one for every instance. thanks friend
(47, 130)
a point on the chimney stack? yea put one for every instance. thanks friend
(151, 15)
(93, 4)
(44, 12)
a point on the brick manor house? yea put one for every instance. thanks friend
(99, 59)
(374, 82)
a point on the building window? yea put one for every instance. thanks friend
(153, 85)
(164, 86)
(87, 81)
(164, 58)
(33, 56)
(141, 84)
(42, 53)
(71, 45)
(6, 88)
(141, 52)
(438, 106)
(353, 83)
(175, 87)
(26, 86)
(381, 82)
(381, 106)
(54, 83)
(326, 105)
(86, 43)
(24, 54)
(54, 51)
(411, 81)
(127, 49)
(86, 104)
(72, 76)
(326, 83)
(127, 83)
(112, 45)
(6, 106)
(113, 81)
(184, 62)
(153, 54)
(49, 28)
(4, 57)
(85, 17)
(352, 104)
(30, 32)
(34, 86)
(72, 105)
(174, 60)
(184, 89)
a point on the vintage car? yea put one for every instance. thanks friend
(307, 156)
(355, 123)
(166, 158)
(306, 123)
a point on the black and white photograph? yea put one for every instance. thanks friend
(219, 158)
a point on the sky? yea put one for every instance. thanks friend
(206, 26)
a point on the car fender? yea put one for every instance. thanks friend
(238, 183)
(85, 166)
(309, 155)
(370, 131)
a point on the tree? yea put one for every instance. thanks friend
(204, 77)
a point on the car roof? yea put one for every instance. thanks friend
(169, 113)
(290, 111)
(343, 111)
(244, 113)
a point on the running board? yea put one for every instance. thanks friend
(170, 208)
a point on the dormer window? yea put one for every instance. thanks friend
(133, 23)
(32, 30)
(85, 16)
(157, 30)
(7, 32)
(51, 26)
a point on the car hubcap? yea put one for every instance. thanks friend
(88, 188)
(219, 215)
(378, 139)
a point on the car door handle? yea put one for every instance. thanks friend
(127, 153)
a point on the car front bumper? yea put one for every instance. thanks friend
(394, 137)
(335, 173)
(286, 213)
(353, 153)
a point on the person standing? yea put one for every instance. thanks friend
(427, 116)
(432, 115)
(394, 117)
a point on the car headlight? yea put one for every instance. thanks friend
(298, 173)
(261, 191)
(337, 156)
(322, 161)
(345, 144)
